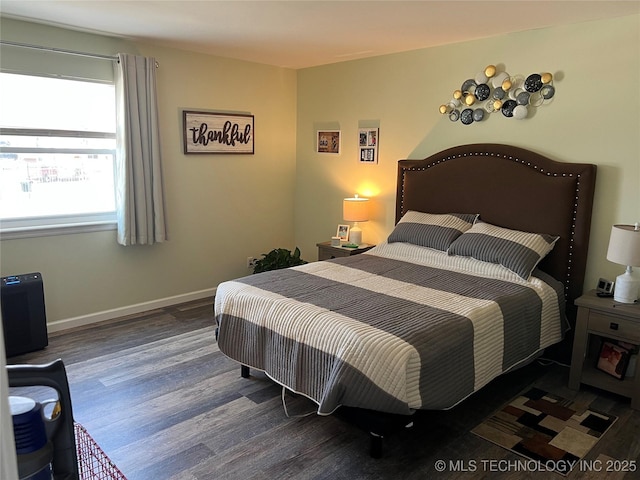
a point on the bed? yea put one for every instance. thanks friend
(477, 278)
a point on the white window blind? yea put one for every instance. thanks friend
(57, 153)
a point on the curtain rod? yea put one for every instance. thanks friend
(64, 51)
(59, 50)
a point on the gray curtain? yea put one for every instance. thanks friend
(139, 185)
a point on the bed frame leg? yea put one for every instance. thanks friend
(375, 449)
(244, 371)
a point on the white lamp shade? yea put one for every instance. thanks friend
(624, 245)
(355, 209)
(624, 248)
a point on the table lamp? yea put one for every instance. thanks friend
(355, 210)
(624, 248)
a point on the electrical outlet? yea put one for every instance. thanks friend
(251, 262)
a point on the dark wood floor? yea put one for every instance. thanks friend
(164, 403)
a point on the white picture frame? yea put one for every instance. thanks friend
(343, 232)
(368, 139)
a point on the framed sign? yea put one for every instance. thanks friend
(368, 145)
(328, 141)
(207, 132)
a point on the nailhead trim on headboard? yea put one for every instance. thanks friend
(528, 164)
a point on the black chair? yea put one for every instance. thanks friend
(53, 375)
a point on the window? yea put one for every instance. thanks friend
(57, 152)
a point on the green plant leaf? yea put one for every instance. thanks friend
(278, 258)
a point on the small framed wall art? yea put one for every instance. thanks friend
(368, 144)
(328, 141)
(209, 132)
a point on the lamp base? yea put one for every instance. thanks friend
(355, 235)
(627, 288)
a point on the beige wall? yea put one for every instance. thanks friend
(221, 208)
(594, 118)
(224, 208)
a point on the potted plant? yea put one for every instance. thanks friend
(278, 258)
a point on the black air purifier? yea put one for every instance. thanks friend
(24, 320)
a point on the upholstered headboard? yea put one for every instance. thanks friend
(510, 187)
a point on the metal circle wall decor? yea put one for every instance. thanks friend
(478, 115)
(466, 116)
(482, 91)
(507, 108)
(533, 83)
(491, 91)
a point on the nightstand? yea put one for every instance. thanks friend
(327, 252)
(600, 318)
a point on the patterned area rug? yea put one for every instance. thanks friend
(546, 428)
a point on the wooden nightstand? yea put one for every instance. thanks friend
(600, 318)
(327, 252)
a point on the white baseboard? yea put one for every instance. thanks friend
(83, 320)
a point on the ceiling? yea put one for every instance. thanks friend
(305, 33)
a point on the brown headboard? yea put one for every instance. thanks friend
(510, 187)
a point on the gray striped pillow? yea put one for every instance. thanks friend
(430, 229)
(518, 251)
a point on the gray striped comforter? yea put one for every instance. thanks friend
(397, 329)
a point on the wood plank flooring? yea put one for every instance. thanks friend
(164, 404)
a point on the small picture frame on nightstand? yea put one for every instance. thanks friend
(343, 232)
(613, 359)
(604, 288)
